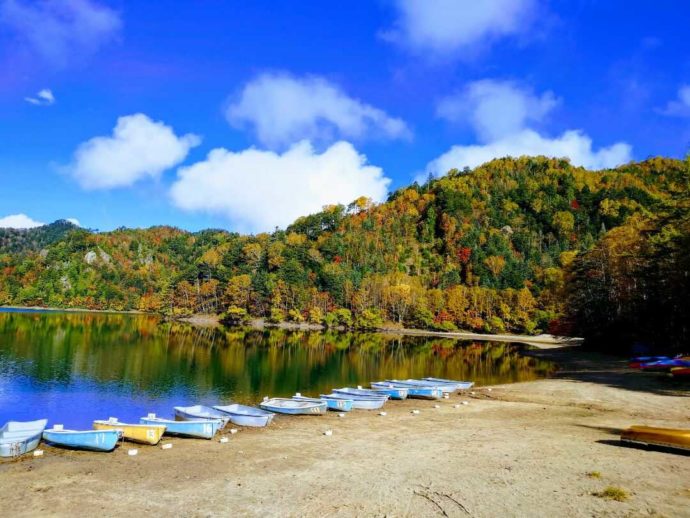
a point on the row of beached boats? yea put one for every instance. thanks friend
(203, 422)
(678, 366)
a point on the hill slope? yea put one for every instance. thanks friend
(486, 250)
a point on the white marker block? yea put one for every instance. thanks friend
(132, 452)
(359, 387)
(446, 396)
(38, 453)
(233, 431)
(488, 390)
(166, 446)
(328, 433)
(456, 406)
(465, 402)
(341, 415)
(223, 440)
(415, 412)
(298, 394)
(382, 413)
(472, 393)
(437, 406)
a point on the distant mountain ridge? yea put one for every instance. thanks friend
(490, 249)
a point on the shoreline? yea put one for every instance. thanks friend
(540, 446)
(542, 341)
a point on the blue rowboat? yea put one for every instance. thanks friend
(243, 415)
(413, 391)
(193, 413)
(198, 428)
(18, 438)
(392, 393)
(332, 403)
(364, 402)
(459, 385)
(293, 407)
(92, 440)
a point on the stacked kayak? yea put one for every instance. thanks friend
(637, 362)
(92, 440)
(141, 433)
(655, 436)
(18, 438)
(196, 428)
(243, 415)
(294, 407)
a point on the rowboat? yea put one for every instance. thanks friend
(678, 372)
(653, 436)
(192, 413)
(419, 392)
(459, 385)
(143, 433)
(392, 393)
(198, 428)
(92, 440)
(364, 402)
(293, 407)
(243, 415)
(18, 438)
(332, 403)
(446, 388)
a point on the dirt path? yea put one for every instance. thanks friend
(515, 450)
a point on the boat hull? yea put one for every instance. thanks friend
(412, 391)
(459, 385)
(242, 415)
(678, 372)
(91, 440)
(200, 412)
(18, 438)
(654, 436)
(363, 403)
(197, 429)
(283, 406)
(141, 433)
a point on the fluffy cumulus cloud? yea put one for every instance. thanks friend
(74, 221)
(258, 190)
(44, 97)
(138, 148)
(61, 30)
(496, 108)
(458, 27)
(283, 109)
(19, 221)
(501, 115)
(679, 107)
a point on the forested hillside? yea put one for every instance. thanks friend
(499, 248)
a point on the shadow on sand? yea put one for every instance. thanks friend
(578, 364)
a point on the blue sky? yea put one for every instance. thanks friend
(244, 115)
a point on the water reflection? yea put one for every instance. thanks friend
(93, 365)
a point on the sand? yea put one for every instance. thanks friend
(540, 448)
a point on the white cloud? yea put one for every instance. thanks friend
(500, 114)
(74, 221)
(19, 221)
(572, 144)
(496, 108)
(138, 148)
(458, 27)
(283, 109)
(44, 97)
(60, 31)
(258, 190)
(679, 107)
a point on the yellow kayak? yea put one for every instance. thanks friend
(667, 437)
(143, 433)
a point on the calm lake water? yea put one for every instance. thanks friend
(76, 367)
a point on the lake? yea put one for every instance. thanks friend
(76, 367)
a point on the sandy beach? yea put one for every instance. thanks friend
(538, 448)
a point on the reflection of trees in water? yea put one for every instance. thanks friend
(137, 351)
